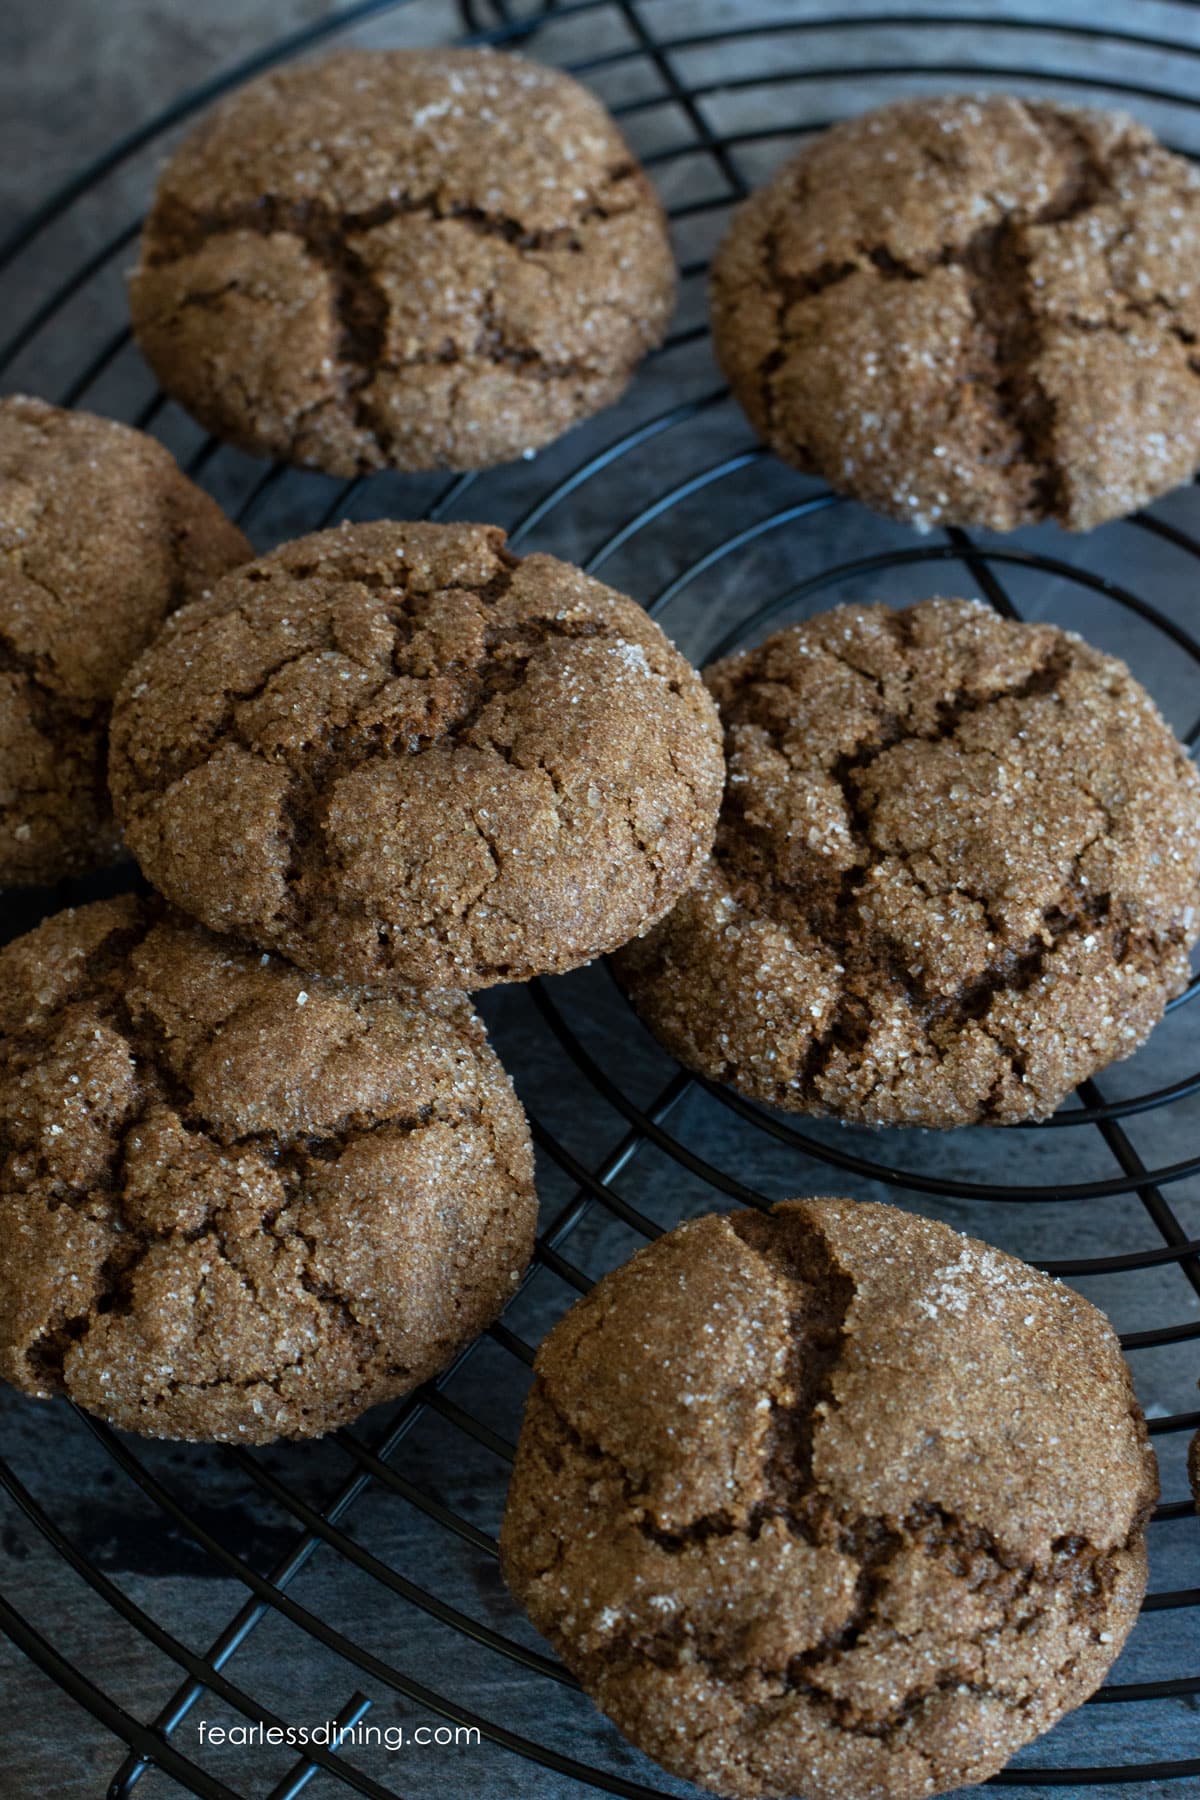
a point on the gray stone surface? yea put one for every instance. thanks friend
(74, 76)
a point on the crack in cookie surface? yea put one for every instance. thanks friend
(957, 871)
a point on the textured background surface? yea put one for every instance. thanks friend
(73, 76)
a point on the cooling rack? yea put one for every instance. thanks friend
(165, 1587)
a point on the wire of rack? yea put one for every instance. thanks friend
(652, 487)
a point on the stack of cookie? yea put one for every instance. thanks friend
(259, 1180)
(833, 1499)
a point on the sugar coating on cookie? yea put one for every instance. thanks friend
(238, 1203)
(413, 259)
(973, 310)
(957, 872)
(832, 1502)
(399, 751)
(100, 536)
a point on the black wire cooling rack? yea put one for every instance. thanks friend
(160, 1586)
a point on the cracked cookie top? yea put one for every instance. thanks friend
(832, 1502)
(100, 536)
(973, 311)
(957, 872)
(410, 259)
(239, 1203)
(401, 752)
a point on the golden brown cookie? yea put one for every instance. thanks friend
(100, 536)
(973, 310)
(957, 872)
(399, 752)
(410, 258)
(834, 1502)
(238, 1203)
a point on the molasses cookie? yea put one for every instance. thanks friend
(973, 311)
(411, 259)
(957, 872)
(831, 1502)
(100, 535)
(399, 752)
(238, 1203)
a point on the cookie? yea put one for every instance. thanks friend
(957, 872)
(834, 1502)
(412, 259)
(100, 536)
(399, 752)
(239, 1204)
(973, 311)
